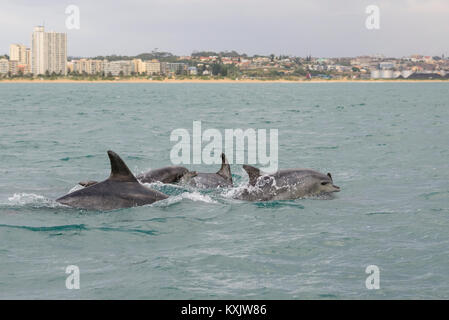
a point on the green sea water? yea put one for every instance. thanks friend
(386, 145)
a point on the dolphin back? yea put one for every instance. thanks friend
(120, 190)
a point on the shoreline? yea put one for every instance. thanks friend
(217, 81)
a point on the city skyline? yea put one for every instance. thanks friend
(297, 28)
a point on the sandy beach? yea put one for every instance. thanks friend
(137, 80)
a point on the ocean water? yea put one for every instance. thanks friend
(386, 145)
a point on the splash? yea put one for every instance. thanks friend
(193, 196)
(76, 188)
(31, 199)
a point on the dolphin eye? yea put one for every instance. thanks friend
(324, 183)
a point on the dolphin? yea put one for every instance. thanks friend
(172, 174)
(120, 190)
(286, 184)
(222, 178)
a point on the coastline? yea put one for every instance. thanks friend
(131, 80)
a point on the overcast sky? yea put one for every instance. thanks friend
(323, 28)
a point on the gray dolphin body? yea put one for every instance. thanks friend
(171, 174)
(221, 179)
(286, 184)
(165, 175)
(120, 190)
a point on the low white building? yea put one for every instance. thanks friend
(13, 66)
(122, 67)
(153, 67)
(4, 66)
(193, 71)
(88, 66)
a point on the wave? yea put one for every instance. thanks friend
(78, 227)
(45, 229)
(380, 212)
(435, 194)
(278, 204)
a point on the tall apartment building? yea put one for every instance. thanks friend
(18, 52)
(27, 66)
(49, 52)
(22, 55)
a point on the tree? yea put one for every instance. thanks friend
(216, 69)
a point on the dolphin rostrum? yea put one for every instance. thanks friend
(286, 184)
(120, 190)
(222, 178)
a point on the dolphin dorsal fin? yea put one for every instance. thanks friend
(119, 170)
(225, 170)
(253, 174)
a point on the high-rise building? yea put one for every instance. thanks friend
(22, 56)
(49, 52)
(27, 66)
(18, 52)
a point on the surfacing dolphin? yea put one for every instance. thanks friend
(120, 190)
(286, 184)
(172, 174)
(222, 178)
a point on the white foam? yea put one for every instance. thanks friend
(23, 199)
(231, 193)
(194, 196)
(75, 188)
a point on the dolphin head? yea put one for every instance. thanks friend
(326, 185)
(186, 177)
(180, 172)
